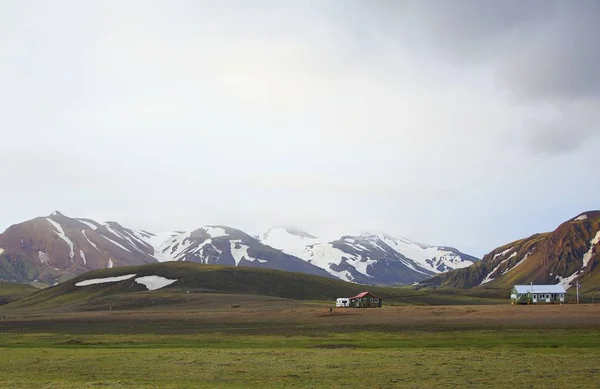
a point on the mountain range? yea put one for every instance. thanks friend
(54, 248)
(568, 255)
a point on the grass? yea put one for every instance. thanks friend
(297, 367)
(12, 292)
(273, 343)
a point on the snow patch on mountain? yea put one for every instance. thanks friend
(324, 255)
(490, 276)
(503, 253)
(109, 229)
(431, 258)
(44, 257)
(215, 232)
(239, 251)
(588, 255)
(173, 248)
(517, 264)
(63, 236)
(110, 263)
(1, 250)
(158, 240)
(95, 281)
(154, 282)
(288, 240)
(566, 282)
(581, 217)
(89, 241)
(198, 251)
(116, 243)
(82, 255)
(87, 223)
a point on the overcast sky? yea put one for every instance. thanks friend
(464, 123)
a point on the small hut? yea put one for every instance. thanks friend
(361, 300)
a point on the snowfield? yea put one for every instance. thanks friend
(215, 232)
(171, 249)
(241, 252)
(154, 282)
(287, 242)
(324, 255)
(95, 281)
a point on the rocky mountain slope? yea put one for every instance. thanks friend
(568, 254)
(47, 249)
(369, 258)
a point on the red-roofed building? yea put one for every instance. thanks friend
(361, 300)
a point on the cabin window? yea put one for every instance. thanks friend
(547, 296)
(371, 299)
(376, 300)
(535, 296)
(553, 296)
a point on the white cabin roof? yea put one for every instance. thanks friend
(540, 289)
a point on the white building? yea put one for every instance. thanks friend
(538, 294)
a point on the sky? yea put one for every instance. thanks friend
(468, 123)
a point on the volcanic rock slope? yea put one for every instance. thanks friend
(569, 254)
(49, 249)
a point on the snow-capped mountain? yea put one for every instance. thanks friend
(568, 254)
(370, 258)
(47, 248)
(289, 240)
(56, 247)
(220, 245)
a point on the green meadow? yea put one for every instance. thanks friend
(280, 355)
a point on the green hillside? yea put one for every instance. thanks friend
(11, 292)
(196, 280)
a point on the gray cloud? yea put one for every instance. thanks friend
(542, 52)
(575, 125)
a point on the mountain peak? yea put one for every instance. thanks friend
(586, 215)
(56, 213)
(292, 230)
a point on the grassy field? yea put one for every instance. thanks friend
(12, 292)
(234, 341)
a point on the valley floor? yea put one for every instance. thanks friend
(278, 343)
